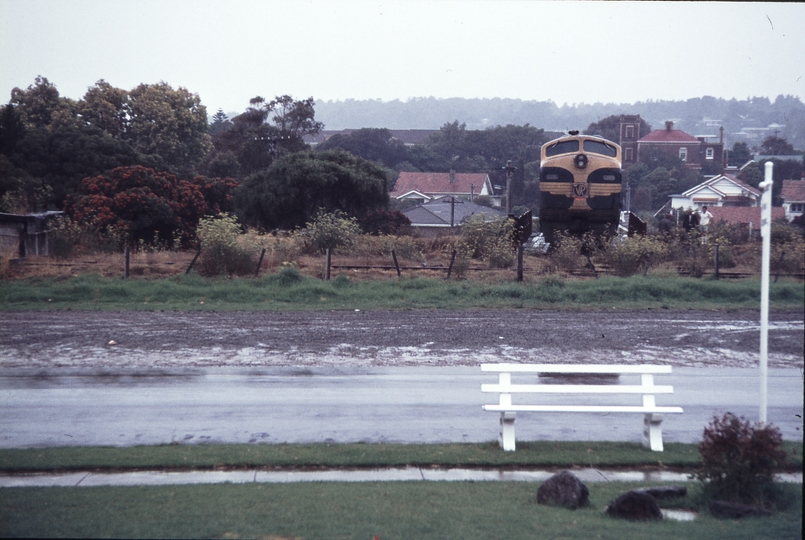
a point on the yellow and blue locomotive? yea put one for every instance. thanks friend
(580, 186)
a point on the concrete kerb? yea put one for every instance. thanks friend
(406, 474)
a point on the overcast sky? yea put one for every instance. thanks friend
(569, 52)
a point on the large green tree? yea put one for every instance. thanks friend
(51, 143)
(51, 146)
(776, 146)
(171, 124)
(297, 186)
(739, 154)
(264, 132)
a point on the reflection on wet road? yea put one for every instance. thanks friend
(68, 407)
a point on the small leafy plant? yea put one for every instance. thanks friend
(739, 460)
(221, 249)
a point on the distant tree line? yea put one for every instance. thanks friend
(694, 116)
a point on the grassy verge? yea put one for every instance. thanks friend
(545, 454)
(392, 510)
(289, 290)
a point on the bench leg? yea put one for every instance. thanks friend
(506, 436)
(652, 431)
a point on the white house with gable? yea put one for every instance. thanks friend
(721, 190)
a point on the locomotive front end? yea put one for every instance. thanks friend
(580, 186)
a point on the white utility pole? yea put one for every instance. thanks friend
(765, 233)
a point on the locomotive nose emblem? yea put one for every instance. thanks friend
(580, 191)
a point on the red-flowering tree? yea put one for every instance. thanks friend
(141, 204)
(218, 194)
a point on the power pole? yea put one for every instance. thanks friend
(509, 170)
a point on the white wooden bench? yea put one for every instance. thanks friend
(652, 414)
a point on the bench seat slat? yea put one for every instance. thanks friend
(576, 389)
(576, 368)
(582, 408)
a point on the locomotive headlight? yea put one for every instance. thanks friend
(580, 161)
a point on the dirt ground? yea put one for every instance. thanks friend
(179, 340)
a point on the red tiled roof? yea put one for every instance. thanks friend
(669, 136)
(793, 190)
(743, 214)
(435, 183)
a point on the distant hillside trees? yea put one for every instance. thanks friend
(695, 115)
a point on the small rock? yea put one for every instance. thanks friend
(664, 492)
(724, 509)
(563, 489)
(635, 505)
(112, 342)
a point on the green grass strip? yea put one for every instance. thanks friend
(291, 291)
(535, 454)
(387, 510)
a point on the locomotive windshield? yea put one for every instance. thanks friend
(598, 147)
(562, 147)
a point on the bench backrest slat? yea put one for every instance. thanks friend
(575, 368)
(576, 389)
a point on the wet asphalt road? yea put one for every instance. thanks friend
(394, 405)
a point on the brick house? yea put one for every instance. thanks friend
(693, 151)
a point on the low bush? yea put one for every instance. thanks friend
(635, 255)
(489, 240)
(331, 230)
(739, 460)
(222, 249)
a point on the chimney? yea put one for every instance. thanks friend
(452, 176)
(669, 125)
(721, 135)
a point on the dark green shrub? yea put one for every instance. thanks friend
(739, 460)
(288, 275)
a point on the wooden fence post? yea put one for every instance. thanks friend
(779, 267)
(715, 261)
(450, 268)
(397, 266)
(259, 263)
(190, 266)
(327, 265)
(126, 261)
(520, 262)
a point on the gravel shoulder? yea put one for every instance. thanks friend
(175, 340)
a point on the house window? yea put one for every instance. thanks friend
(629, 154)
(709, 153)
(630, 132)
(797, 207)
(683, 154)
